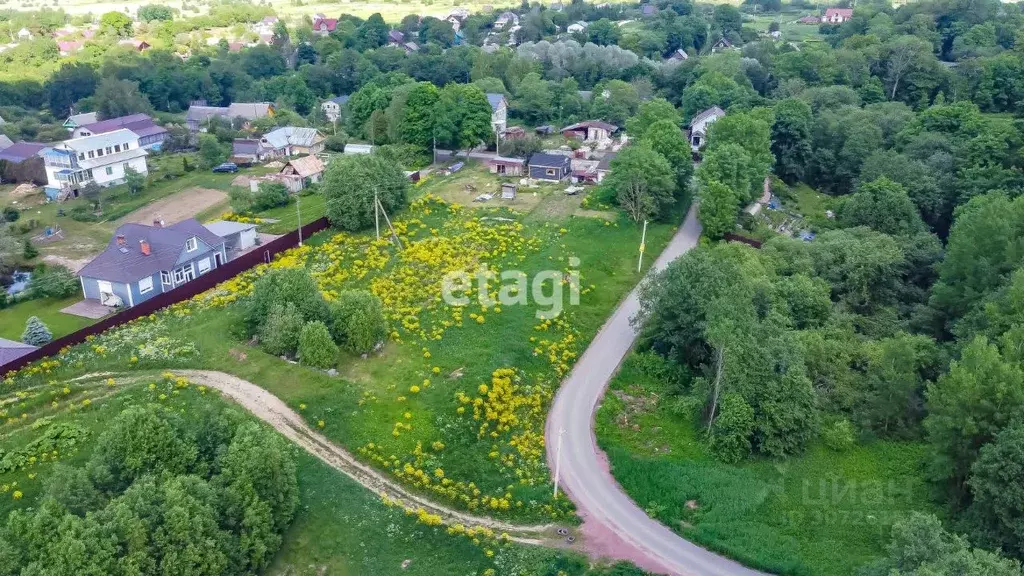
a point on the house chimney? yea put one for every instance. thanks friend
(158, 223)
(121, 241)
(144, 247)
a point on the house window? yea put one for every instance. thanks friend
(204, 265)
(117, 147)
(81, 155)
(110, 171)
(146, 285)
(184, 274)
(551, 172)
(109, 149)
(192, 244)
(165, 277)
(99, 152)
(92, 154)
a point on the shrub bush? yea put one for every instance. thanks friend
(279, 335)
(293, 285)
(838, 436)
(53, 281)
(11, 214)
(350, 184)
(357, 321)
(316, 347)
(730, 434)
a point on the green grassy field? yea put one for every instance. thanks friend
(339, 528)
(822, 513)
(404, 406)
(13, 318)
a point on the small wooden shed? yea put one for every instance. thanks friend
(508, 191)
(507, 166)
(301, 172)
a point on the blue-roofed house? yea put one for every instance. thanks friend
(550, 167)
(334, 107)
(142, 261)
(499, 111)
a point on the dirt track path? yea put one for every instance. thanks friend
(275, 412)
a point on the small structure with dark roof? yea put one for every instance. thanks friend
(549, 167)
(590, 130)
(499, 111)
(11, 350)
(506, 166)
(604, 167)
(76, 120)
(142, 261)
(23, 162)
(199, 115)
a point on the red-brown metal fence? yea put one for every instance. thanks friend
(261, 254)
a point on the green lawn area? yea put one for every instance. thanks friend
(792, 31)
(402, 407)
(13, 318)
(822, 513)
(339, 527)
(311, 207)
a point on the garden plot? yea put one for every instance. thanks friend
(177, 207)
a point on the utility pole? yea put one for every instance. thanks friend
(558, 460)
(298, 214)
(643, 241)
(376, 212)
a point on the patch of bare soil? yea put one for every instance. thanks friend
(73, 264)
(177, 207)
(634, 406)
(275, 412)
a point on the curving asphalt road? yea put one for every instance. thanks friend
(612, 524)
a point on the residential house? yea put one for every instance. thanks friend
(396, 38)
(699, 126)
(722, 44)
(590, 130)
(142, 261)
(578, 26)
(323, 26)
(101, 158)
(604, 167)
(292, 141)
(411, 47)
(76, 120)
(513, 35)
(135, 44)
(506, 19)
(199, 115)
(679, 55)
(246, 151)
(301, 172)
(549, 167)
(506, 166)
(499, 111)
(266, 25)
(151, 136)
(238, 237)
(334, 107)
(648, 10)
(23, 162)
(68, 47)
(837, 15)
(514, 133)
(11, 350)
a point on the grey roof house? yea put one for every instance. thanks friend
(550, 167)
(142, 261)
(292, 140)
(238, 236)
(198, 115)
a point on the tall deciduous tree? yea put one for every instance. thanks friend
(463, 117)
(881, 205)
(351, 184)
(417, 123)
(650, 112)
(643, 183)
(791, 139)
(665, 138)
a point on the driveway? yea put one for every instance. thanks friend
(614, 526)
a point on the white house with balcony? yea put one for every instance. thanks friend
(100, 158)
